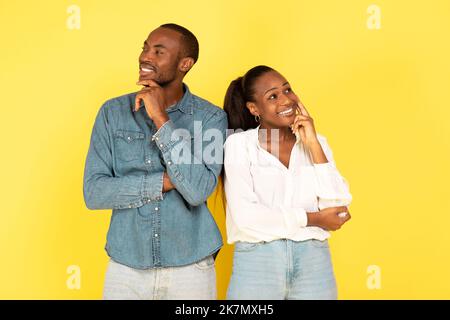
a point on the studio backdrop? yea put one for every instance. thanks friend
(374, 75)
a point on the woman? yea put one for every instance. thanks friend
(283, 191)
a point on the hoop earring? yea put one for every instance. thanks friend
(257, 118)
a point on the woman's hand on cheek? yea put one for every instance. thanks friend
(303, 126)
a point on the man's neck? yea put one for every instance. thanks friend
(173, 92)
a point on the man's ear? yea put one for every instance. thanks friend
(186, 64)
(251, 106)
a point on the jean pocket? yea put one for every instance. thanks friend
(319, 244)
(245, 246)
(129, 145)
(205, 263)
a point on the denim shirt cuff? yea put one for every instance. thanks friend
(152, 186)
(162, 137)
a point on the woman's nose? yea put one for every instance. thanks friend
(286, 101)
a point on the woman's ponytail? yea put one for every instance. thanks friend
(239, 92)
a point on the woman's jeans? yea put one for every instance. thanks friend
(282, 269)
(194, 281)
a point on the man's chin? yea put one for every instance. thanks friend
(147, 77)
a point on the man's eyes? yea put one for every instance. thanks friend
(157, 51)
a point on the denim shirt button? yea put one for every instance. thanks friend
(156, 209)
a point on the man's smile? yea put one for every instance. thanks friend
(146, 69)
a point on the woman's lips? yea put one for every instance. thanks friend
(287, 112)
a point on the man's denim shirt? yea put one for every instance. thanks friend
(124, 172)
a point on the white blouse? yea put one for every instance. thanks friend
(267, 201)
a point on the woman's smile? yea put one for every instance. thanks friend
(287, 112)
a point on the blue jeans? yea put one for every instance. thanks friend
(282, 269)
(195, 281)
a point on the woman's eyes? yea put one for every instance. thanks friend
(274, 96)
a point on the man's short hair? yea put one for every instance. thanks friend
(190, 42)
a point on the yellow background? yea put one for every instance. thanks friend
(381, 97)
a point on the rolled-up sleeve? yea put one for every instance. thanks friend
(194, 175)
(331, 188)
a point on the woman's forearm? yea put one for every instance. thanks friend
(317, 153)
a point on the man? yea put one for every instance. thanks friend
(147, 162)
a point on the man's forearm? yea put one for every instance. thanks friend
(194, 181)
(160, 120)
(105, 192)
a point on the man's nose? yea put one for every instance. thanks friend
(147, 57)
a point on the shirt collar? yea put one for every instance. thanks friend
(185, 104)
(256, 137)
(293, 157)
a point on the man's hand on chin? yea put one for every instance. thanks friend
(154, 101)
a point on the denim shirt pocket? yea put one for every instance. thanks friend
(129, 145)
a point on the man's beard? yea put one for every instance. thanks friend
(164, 81)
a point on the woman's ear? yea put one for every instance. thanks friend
(251, 106)
(186, 64)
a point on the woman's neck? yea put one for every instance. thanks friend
(283, 134)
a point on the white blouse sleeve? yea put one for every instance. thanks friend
(243, 206)
(331, 188)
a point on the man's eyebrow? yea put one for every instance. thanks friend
(156, 45)
(276, 87)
